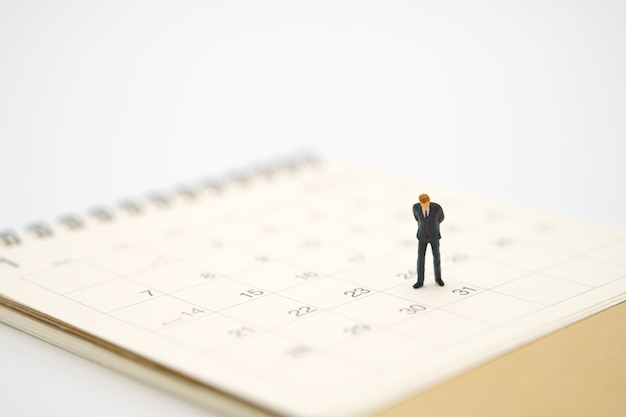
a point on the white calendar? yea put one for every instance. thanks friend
(287, 290)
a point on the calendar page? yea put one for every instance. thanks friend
(292, 288)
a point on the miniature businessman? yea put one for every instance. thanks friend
(429, 216)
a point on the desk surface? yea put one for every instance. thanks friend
(577, 371)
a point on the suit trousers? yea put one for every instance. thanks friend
(421, 254)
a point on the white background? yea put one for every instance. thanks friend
(521, 100)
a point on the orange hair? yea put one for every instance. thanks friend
(424, 198)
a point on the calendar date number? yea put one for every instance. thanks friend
(306, 275)
(302, 311)
(358, 329)
(191, 313)
(412, 309)
(241, 332)
(357, 292)
(298, 352)
(463, 291)
(252, 293)
(408, 275)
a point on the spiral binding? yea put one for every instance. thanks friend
(189, 193)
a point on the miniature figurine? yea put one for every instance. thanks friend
(428, 216)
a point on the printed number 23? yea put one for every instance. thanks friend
(357, 292)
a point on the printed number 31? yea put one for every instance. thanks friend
(463, 291)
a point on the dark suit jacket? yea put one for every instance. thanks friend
(428, 228)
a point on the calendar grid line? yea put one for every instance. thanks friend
(270, 330)
(114, 278)
(126, 277)
(126, 322)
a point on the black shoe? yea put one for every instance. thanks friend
(417, 285)
(440, 282)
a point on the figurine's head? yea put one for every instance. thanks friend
(425, 201)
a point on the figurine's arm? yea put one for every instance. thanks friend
(441, 216)
(415, 212)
